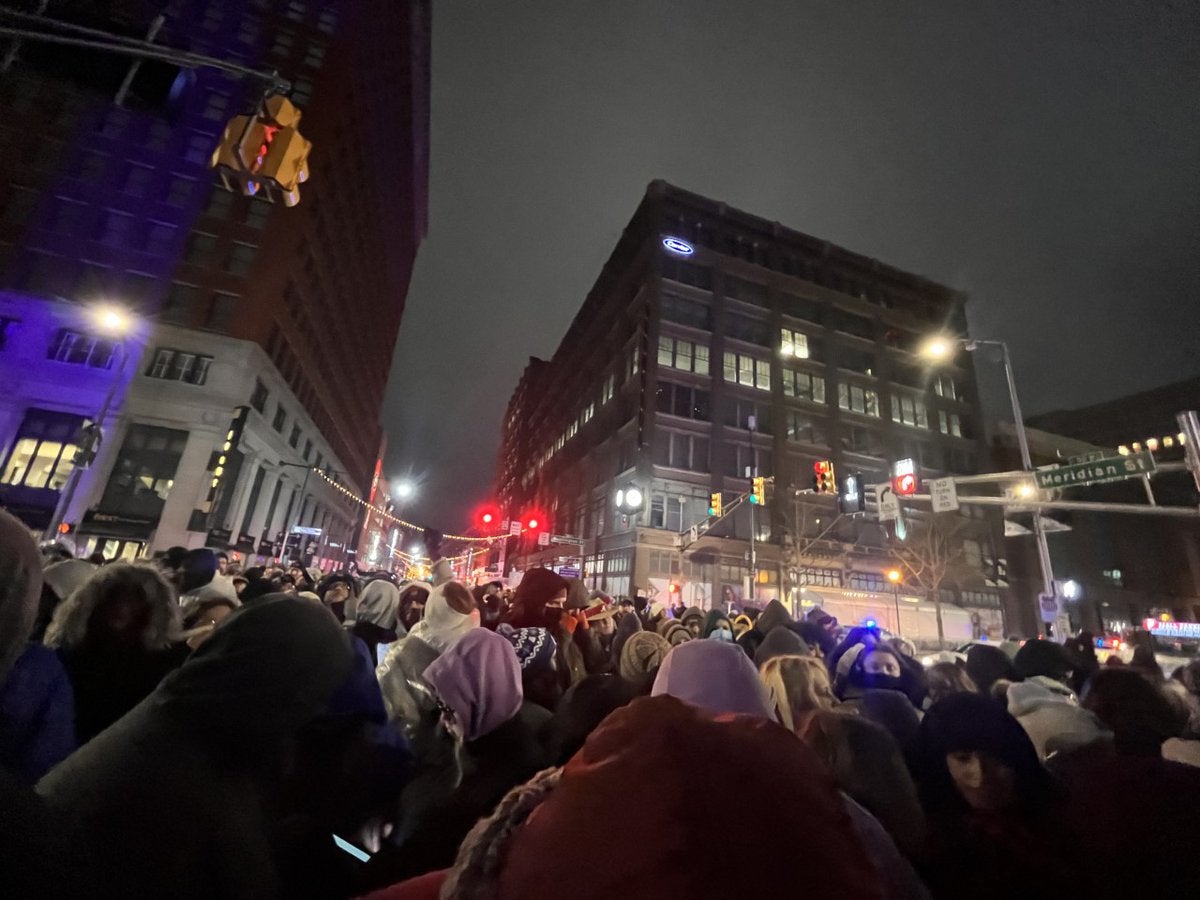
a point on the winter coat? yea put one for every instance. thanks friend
(37, 715)
(492, 765)
(176, 798)
(1051, 720)
(410, 701)
(37, 726)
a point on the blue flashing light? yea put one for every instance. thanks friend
(871, 623)
(676, 245)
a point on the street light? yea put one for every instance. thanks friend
(404, 490)
(940, 347)
(895, 576)
(113, 322)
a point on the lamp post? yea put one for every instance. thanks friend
(940, 348)
(894, 576)
(115, 323)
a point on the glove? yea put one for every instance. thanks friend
(569, 623)
(582, 619)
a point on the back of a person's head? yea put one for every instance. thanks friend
(1043, 657)
(987, 664)
(20, 588)
(125, 602)
(798, 685)
(715, 676)
(867, 764)
(198, 568)
(1137, 712)
(946, 678)
(648, 774)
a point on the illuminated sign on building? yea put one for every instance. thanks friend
(675, 245)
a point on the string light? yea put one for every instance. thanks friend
(401, 522)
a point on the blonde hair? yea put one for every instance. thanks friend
(798, 685)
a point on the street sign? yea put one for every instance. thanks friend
(1049, 525)
(306, 529)
(1014, 529)
(887, 503)
(1099, 471)
(944, 494)
(514, 527)
(544, 539)
(569, 571)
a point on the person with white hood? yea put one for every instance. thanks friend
(449, 614)
(1052, 717)
(375, 617)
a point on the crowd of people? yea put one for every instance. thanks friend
(183, 727)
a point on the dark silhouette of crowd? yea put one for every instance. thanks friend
(186, 727)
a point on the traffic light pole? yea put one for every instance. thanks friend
(63, 508)
(750, 424)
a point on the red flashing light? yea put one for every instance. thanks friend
(905, 485)
(532, 523)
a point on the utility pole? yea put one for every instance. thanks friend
(751, 423)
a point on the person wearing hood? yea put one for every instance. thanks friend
(181, 797)
(782, 641)
(674, 632)
(115, 636)
(881, 668)
(376, 615)
(641, 655)
(449, 615)
(741, 624)
(987, 664)
(637, 776)
(798, 685)
(478, 684)
(693, 620)
(581, 710)
(37, 704)
(337, 591)
(714, 676)
(540, 602)
(717, 627)
(629, 625)
(774, 615)
(1044, 657)
(413, 597)
(200, 578)
(867, 764)
(993, 810)
(59, 581)
(1054, 722)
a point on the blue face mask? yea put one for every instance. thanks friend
(721, 634)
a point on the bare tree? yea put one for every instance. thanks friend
(931, 554)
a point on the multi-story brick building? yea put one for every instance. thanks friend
(292, 312)
(714, 342)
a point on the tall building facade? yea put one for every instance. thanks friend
(716, 345)
(239, 304)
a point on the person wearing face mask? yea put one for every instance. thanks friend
(877, 668)
(717, 627)
(413, 597)
(540, 602)
(995, 815)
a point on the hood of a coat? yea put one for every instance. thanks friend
(20, 589)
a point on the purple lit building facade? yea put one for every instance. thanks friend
(289, 314)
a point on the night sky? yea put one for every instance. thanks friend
(1044, 157)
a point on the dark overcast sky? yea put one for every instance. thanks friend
(1044, 157)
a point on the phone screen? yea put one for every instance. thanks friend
(357, 852)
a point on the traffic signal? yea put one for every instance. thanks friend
(824, 477)
(673, 588)
(904, 478)
(65, 527)
(850, 495)
(487, 518)
(714, 503)
(265, 150)
(533, 520)
(758, 490)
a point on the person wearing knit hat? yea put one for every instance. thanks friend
(780, 642)
(630, 624)
(1043, 657)
(537, 653)
(641, 656)
(693, 620)
(675, 633)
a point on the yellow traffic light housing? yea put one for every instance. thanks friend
(714, 503)
(265, 150)
(758, 490)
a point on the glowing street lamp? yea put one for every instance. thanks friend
(112, 320)
(940, 347)
(405, 489)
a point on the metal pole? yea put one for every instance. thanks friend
(896, 600)
(1186, 512)
(151, 34)
(751, 422)
(1027, 463)
(63, 507)
(296, 521)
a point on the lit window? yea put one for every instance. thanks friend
(949, 423)
(803, 386)
(43, 453)
(748, 371)
(855, 398)
(178, 365)
(793, 343)
(909, 411)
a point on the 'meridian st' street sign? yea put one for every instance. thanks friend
(1097, 471)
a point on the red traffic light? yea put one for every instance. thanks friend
(64, 527)
(822, 467)
(673, 588)
(533, 523)
(905, 485)
(486, 518)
